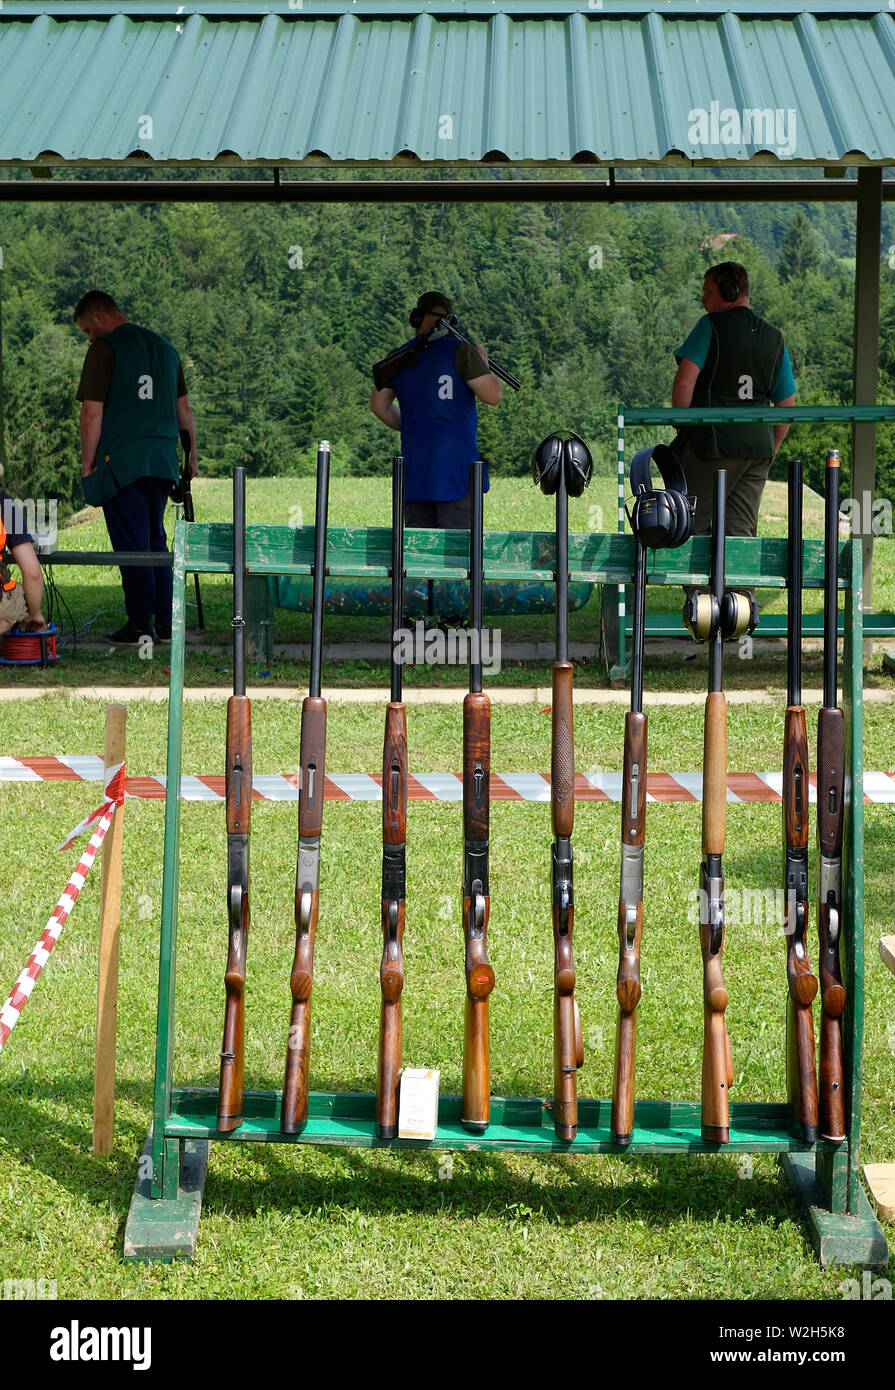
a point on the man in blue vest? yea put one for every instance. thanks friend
(134, 403)
(732, 358)
(432, 402)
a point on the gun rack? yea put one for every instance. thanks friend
(163, 1221)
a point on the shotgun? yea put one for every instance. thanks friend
(238, 781)
(388, 368)
(568, 1046)
(717, 1060)
(181, 496)
(801, 1078)
(312, 759)
(630, 900)
(476, 797)
(394, 836)
(830, 782)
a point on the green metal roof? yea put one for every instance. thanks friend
(446, 82)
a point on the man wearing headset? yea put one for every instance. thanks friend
(734, 358)
(432, 402)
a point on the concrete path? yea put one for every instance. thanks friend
(523, 695)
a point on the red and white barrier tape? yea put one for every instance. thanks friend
(434, 786)
(11, 1011)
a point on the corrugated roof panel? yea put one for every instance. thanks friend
(630, 88)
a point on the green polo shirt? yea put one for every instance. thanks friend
(137, 376)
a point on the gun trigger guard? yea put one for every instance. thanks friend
(393, 919)
(304, 911)
(477, 911)
(630, 926)
(832, 925)
(565, 902)
(235, 906)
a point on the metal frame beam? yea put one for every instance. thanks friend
(867, 292)
(498, 190)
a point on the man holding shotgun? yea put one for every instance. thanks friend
(431, 401)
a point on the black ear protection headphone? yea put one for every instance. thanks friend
(728, 282)
(660, 517)
(417, 315)
(562, 453)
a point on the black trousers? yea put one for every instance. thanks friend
(135, 519)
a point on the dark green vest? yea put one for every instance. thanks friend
(139, 435)
(742, 362)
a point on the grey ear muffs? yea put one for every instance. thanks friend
(568, 456)
(661, 517)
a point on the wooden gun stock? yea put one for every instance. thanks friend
(476, 909)
(296, 1084)
(391, 970)
(830, 781)
(717, 1059)
(801, 1077)
(630, 924)
(568, 1051)
(238, 781)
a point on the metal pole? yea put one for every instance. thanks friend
(869, 226)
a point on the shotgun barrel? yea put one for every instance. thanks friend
(238, 784)
(801, 1077)
(394, 845)
(830, 787)
(476, 1111)
(717, 1060)
(630, 900)
(568, 1048)
(312, 758)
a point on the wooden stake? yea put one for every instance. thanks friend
(109, 924)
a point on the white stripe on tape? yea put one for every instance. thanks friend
(191, 789)
(531, 786)
(358, 785)
(879, 786)
(273, 786)
(11, 770)
(88, 767)
(445, 785)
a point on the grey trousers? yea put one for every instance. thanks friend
(745, 484)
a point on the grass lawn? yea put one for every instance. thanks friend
(294, 1222)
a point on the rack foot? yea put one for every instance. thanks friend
(167, 1229)
(855, 1239)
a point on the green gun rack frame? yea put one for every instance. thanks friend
(163, 1221)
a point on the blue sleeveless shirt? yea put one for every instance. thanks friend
(439, 425)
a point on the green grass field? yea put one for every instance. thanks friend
(293, 1222)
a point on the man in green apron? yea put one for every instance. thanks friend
(134, 403)
(732, 358)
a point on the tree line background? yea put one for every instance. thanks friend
(278, 312)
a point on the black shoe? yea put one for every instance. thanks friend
(163, 638)
(130, 635)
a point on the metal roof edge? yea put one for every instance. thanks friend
(235, 10)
